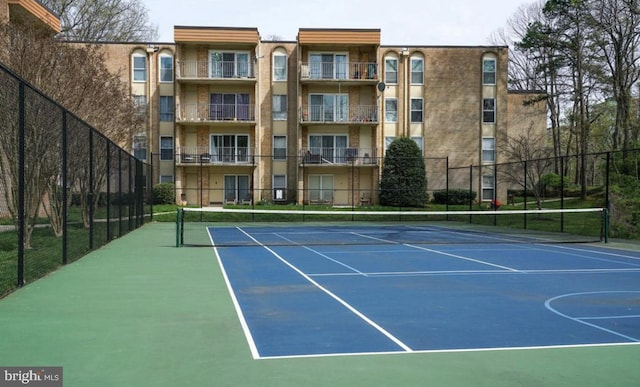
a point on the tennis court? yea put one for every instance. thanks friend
(141, 312)
(313, 290)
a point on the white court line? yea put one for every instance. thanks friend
(440, 252)
(322, 255)
(366, 319)
(476, 272)
(548, 303)
(610, 317)
(454, 350)
(243, 322)
(600, 252)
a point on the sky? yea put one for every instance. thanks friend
(402, 22)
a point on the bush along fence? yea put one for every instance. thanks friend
(65, 189)
(601, 179)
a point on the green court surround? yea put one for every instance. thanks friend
(141, 312)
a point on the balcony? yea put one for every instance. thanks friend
(338, 156)
(357, 114)
(198, 155)
(226, 71)
(205, 113)
(359, 72)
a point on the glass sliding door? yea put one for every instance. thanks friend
(229, 148)
(321, 188)
(236, 188)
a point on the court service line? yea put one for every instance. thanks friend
(322, 255)
(334, 296)
(442, 253)
(600, 253)
(243, 322)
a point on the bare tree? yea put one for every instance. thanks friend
(75, 77)
(531, 159)
(104, 20)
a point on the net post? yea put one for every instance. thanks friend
(605, 223)
(178, 225)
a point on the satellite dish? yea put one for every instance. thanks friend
(381, 86)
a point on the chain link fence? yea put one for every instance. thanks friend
(65, 189)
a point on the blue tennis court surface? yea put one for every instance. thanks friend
(386, 296)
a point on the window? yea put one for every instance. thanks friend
(328, 107)
(488, 110)
(166, 148)
(140, 147)
(279, 187)
(328, 66)
(140, 104)
(489, 72)
(321, 188)
(166, 179)
(279, 67)
(387, 141)
(279, 112)
(487, 187)
(229, 64)
(139, 68)
(331, 148)
(166, 68)
(390, 110)
(391, 71)
(166, 108)
(419, 143)
(230, 107)
(279, 147)
(417, 71)
(488, 149)
(230, 148)
(416, 109)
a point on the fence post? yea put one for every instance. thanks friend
(606, 191)
(21, 182)
(470, 191)
(524, 196)
(447, 186)
(562, 193)
(108, 216)
(65, 177)
(90, 193)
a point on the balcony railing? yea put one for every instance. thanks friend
(337, 114)
(339, 71)
(338, 156)
(214, 155)
(216, 112)
(214, 70)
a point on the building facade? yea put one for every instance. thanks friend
(232, 118)
(308, 121)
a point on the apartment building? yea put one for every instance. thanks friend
(148, 70)
(232, 118)
(308, 121)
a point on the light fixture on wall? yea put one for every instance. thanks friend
(152, 48)
(404, 51)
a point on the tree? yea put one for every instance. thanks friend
(532, 160)
(618, 24)
(73, 75)
(103, 20)
(403, 182)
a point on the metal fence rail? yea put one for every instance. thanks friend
(65, 189)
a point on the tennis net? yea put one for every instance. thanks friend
(256, 227)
